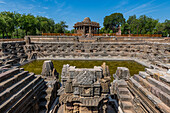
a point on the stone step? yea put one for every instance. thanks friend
(48, 90)
(124, 97)
(165, 79)
(43, 110)
(129, 111)
(5, 66)
(15, 88)
(15, 97)
(29, 92)
(5, 84)
(122, 84)
(7, 74)
(126, 105)
(12, 61)
(43, 103)
(154, 88)
(163, 87)
(48, 97)
(122, 91)
(1, 63)
(149, 96)
(143, 74)
(43, 96)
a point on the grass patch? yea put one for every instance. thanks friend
(134, 67)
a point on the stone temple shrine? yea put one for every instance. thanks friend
(86, 27)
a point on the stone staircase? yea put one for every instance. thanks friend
(148, 91)
(151, 90)
(47, 98)
(19, 90)
(124, 96)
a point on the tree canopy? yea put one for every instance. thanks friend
(113, 21)
(13, 24)
(134, 25)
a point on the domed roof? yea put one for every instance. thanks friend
(87, 19)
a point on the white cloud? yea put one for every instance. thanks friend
(139, 8)
(2, 2)
(121, 4)
(45, 7)
(41, 12)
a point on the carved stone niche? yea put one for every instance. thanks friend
(68, 86)
(97, 87)
(86, 91)
(105, 86)
(71, 74)
(99, 74)
(76, 90)
(63, 82)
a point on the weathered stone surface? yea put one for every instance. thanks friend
(48, 69)
(151, 92)
(143, 74)
(85, 86)
(163, 87)
(122, 73)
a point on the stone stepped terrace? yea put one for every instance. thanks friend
(148, 91)
(18, 87)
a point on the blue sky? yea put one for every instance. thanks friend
(73, 11)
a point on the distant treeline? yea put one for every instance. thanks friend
(17, 25)
(141, 25)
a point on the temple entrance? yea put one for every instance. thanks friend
(86, 29)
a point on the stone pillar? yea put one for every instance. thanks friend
(68, 86)
(90, 31)
(27, 40)
(75, 30)
(84, 31)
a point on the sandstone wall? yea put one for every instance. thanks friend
(155, 53)
(12, 52)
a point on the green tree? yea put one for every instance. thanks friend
(72, 31)
(167, 27)
(143, 25)
(45, 25)
(125, 28)
(147, 25)
(7, 20)
(60, 27)
(17, 18)
(2, 25)
(113, 21)
(28, 23)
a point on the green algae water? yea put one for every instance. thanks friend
(134, 67)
